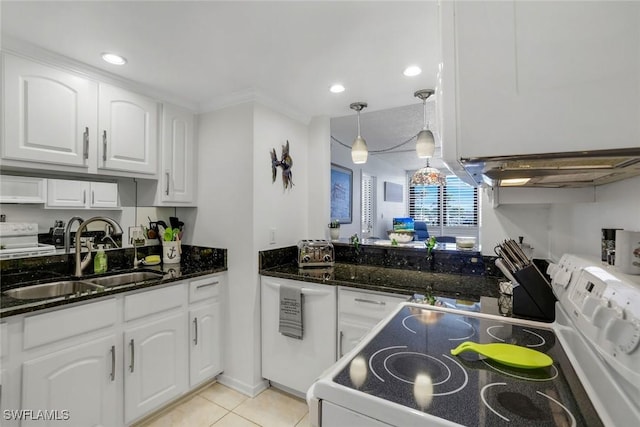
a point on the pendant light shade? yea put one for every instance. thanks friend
(425, 144)
(359, 150)
(427, 176)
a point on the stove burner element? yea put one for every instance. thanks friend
(473, 332)
(523, 406)
(430, 317)
(540, 374)
(406, 366)
(411, 365)
(540, 341)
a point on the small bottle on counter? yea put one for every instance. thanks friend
(100, 261)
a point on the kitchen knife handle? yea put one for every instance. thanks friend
(167, 190)
(340, 344)
(131, 348)
(104, 146)
(85, 140)
(195, 337)
(370, 301)
(113, 363)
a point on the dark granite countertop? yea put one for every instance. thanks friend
(403, 270)
(394, 280)
(196, 261)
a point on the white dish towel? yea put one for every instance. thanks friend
(291, 311)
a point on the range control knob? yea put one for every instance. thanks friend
(625, 334)
(327, 258)
(306, 258)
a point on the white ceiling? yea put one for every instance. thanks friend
(204, 53)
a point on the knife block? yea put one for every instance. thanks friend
(534, 297)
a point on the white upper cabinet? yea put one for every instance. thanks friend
(49, 115)
(22, 189)
(82, 194)
(176, 183)
(128, 127)
(539, 77)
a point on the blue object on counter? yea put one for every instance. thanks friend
(403, 224)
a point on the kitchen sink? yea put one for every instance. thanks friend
(54, 289)
(126, 278)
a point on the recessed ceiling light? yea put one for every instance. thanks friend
(114, 59)
(336, 88)
(412, 70)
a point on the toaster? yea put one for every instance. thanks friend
(315, 253)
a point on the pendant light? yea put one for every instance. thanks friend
(425, 144)
(428, 176)
(359, 151)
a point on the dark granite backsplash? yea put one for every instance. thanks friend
(40, 268)
(441, 261)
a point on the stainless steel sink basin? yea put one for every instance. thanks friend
(53, 290)
(126, 278)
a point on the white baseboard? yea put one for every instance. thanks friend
(242, 387)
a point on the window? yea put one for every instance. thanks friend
(448, 210)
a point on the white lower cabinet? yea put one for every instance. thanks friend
(205, 326)
(111, 362)
(155, 364)
(358, 312)
(80, 384)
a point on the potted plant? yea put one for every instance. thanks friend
(334, 229)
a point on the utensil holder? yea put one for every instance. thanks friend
(171, 252)
(534, 297)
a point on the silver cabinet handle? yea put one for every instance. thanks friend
(93, 197)
(370, 301)
(340, 344)
(104, 145)
(84, 197)
(195, 337)
(113, 362)
(204, 285)
(131, 348)
(85, 140)
(167, 190)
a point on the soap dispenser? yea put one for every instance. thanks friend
(100, 261)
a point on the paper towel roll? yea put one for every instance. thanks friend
(628, 251)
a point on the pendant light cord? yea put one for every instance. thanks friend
(374, 151)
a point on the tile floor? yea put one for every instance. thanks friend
(220, 406)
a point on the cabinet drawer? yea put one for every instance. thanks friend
(68, 322)
(155, 301)
(204, 288)
(368, 304)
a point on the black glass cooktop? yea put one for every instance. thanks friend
(409, 362)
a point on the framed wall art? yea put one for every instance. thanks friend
(341, 194)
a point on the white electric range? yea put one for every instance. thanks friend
(402, 373)
(20, 239)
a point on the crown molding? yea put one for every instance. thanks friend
(257, 96)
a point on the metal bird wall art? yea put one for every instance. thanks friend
(286, 163)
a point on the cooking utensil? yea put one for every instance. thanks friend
(507, 354)
(174, 221)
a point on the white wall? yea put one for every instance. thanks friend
(554, 229)
(238, 205)
(383, 171)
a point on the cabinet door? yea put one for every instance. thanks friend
(350, 333)
(20, 189)
(128, 134)
(83, 380)
(50, 115)
(206, 343)
(525, 80)
(178, 180)
(63, 193)
(155, 364)
(104, 195)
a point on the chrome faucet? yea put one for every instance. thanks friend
(67, 233)
(81, 265)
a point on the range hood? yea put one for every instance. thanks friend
(555, 170)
